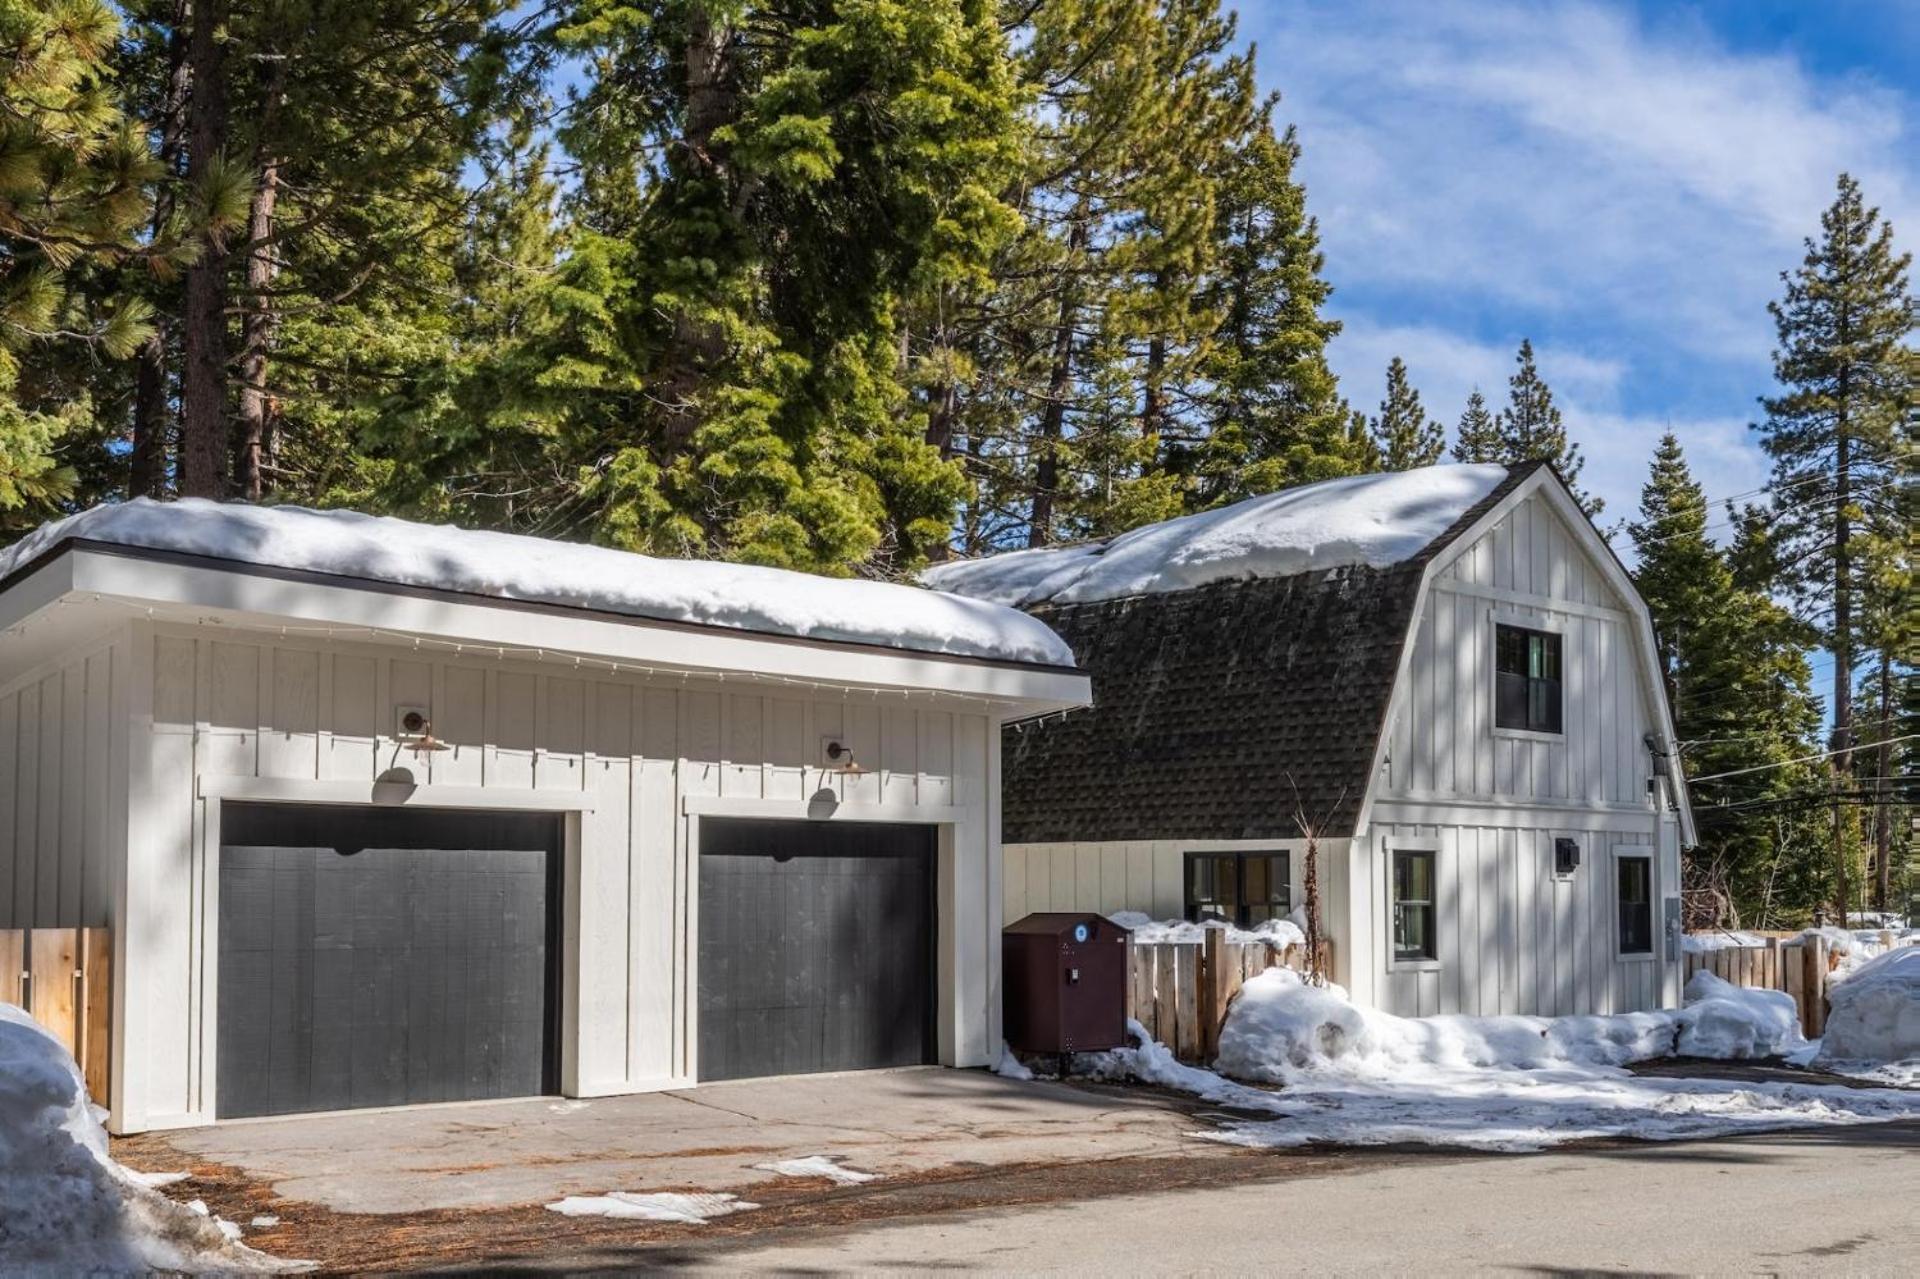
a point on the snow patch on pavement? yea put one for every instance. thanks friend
(687, 1209)
(1353, 1076)
(65, 1206)
(827, 1166)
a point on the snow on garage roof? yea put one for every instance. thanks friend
(1376, 520)
(509, 566)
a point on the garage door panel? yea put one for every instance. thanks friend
(816, 945)
(408, 958)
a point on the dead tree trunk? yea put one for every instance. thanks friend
(203, 381)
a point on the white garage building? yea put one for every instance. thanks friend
(382, 813)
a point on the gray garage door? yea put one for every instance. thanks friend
(371, 957)
(816, 947)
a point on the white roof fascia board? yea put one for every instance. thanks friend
(264, 601)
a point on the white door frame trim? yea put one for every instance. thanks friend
(300, 790)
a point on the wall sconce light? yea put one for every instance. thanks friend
(839, 757)
(416, 730)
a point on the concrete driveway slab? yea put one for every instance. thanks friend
(502, 1154)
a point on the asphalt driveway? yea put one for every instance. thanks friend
(502, 1154)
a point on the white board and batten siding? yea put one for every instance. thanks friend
(1512, 936)
(63, 741)
(1144, 875)
(637, 758)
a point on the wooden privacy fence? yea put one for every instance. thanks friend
(1180, 991)
(1800, 964)
(64, 978)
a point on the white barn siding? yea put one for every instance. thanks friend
(1147, 875)
(1511, 936)
(62, 742)
(644, 753)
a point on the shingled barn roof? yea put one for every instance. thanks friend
(1223, 711)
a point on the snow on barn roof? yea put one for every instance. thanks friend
(513, 567)
(1375, 520)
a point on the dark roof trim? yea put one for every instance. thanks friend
(190, 559)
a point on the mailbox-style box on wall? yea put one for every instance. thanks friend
(1066, 983)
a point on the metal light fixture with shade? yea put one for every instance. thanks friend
(839, 757)
(416, 732)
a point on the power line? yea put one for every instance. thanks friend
(1845, 750)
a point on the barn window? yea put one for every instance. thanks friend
(1413, 905)
(1242, 889)
(1526, 679)
(1635, 905)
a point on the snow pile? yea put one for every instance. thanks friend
(1705, 943)
(1873, 1028)
(1280, 1027)
(1147, 930)
(827, 1166)
(1009, 1066)
(1354, 1076)
(686, 1209)
(739, 596)
(1730, 1022)
(1374, 520)
(65, 1207)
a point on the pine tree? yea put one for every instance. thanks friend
(1273, 416)
(1530, 429)
(1848, 378)
(73, 178)
(1477, 439)
(814, 171)
(1405, 435)
(1737, 682)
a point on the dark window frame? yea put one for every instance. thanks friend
(1428, 951)
(1633, 935)
(1242, 908)
(1531, 698)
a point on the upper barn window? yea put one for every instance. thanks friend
(1526, 679)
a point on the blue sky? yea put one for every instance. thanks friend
(1621, 182)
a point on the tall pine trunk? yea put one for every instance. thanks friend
(1053, 417)
(1883, 806)
(697, 345)
(152, 413)
(1842, 645)
(203, 380)
(257, 338)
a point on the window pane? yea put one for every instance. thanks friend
(1211, 888)
(1413, 909)
(1547, 697)
(1510, 650)
(1510, 700)
(1635, 876)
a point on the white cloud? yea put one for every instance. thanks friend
(1618, 444)
(1562, 160)
(1625, 192)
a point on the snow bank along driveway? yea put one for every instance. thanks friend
(1873, 1030)
(1355, 1076)
(65, 1207)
